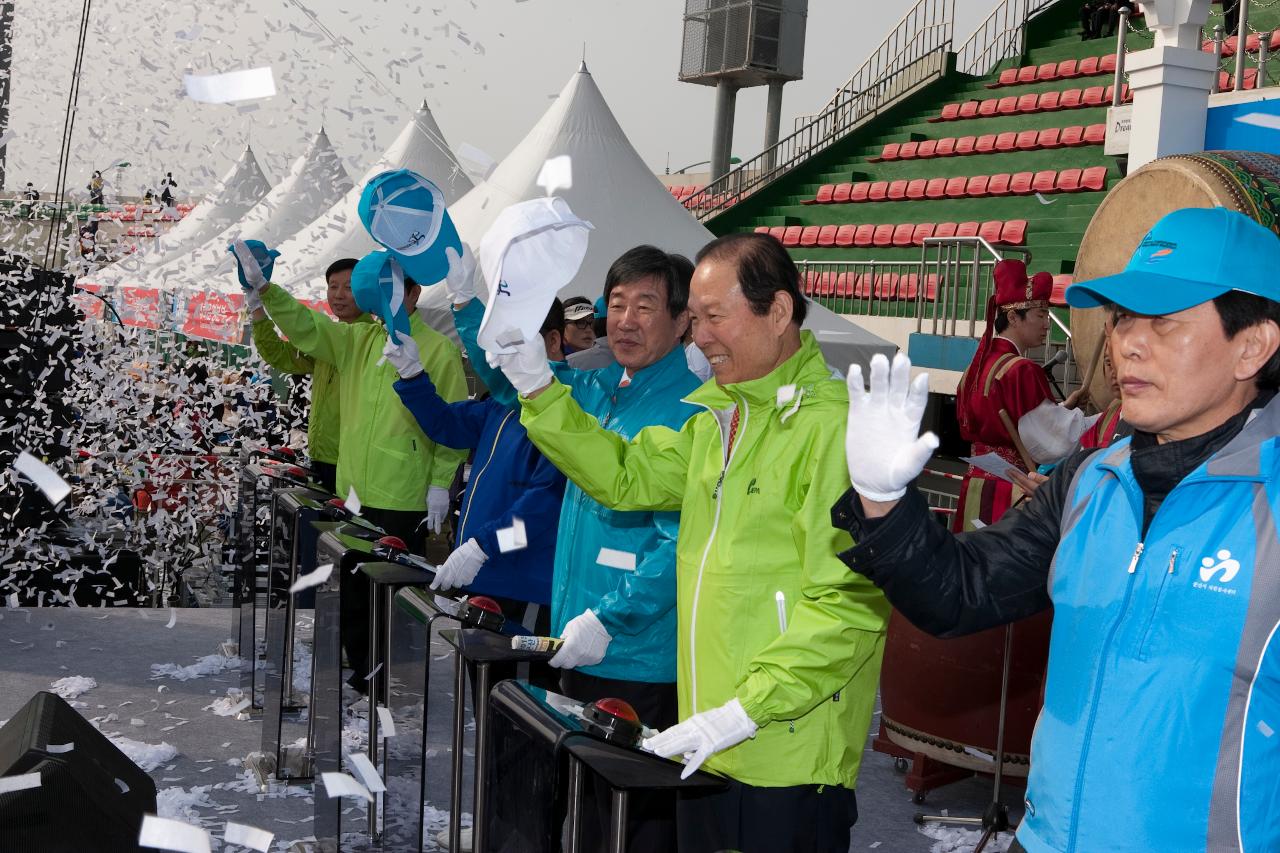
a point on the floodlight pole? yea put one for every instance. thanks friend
(6, 67)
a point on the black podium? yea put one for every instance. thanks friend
(539, 751)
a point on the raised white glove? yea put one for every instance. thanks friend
(698, 737)
(461, 279)
(585, 642)
(461, 567)
(526, 368)
(403, 356)
(250, 271)
(437, 507)
(253, 302)
(883, 445)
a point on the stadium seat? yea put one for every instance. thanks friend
(827, 236)
(1014, 232)
(1094, 179)
(1070, 99)
(863, 236)
(1007, 106)
(840, 194)
(928, 148)
(1028, 103)
(956, 186)
(902, 234)
(977, 186)
(985, 144)
(1007, 141)
(889, 152)
(1049, 102)
(1020, 183)
(1027, 74)
(990, 107)
(1028, 140)
(844, 236)
(674, 190)
(810, 286)
(1007, 77)
(990, 230)
(809, 236)
(908, 287)
(1089, 66)
(1094, 96)
(922, 232)
(1068, 181)
(1060, 285)
(969, 109)
(946, 146)
(897, 190)
(967, 229)
(1107, 64)
(859, 191)
(908, 150)
(1073, 136)
(864, 286)
(950, 112)
(999, 184)
(823, 196)
(915, 189)
(882, 237)
(844, 285)
(965, 145)
(826, 284)
(791, 237)
(1068, 69)
(1044, 181)
(945, 229)
(878, 191)
(931, 287)
(1106, 94)
(778, 232)
(936, 188)
(1095, 134)
(1050, 137)
(887, 285)
(1047, 71)
(762, 229)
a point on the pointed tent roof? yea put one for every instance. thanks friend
(337, 233)
(242, 187)
(616, 192)
(315, 181)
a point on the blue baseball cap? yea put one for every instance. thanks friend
(406, 214)
(375, 280)
(265, 257)
(1190, 256)
(602, 309)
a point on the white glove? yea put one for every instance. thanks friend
(253, 302)
(698, 737)
(461, 279)
(526, 368)
(249, 267)
(585, 642)
(403, 356)
(461, 567)
(437, 507)
(883, 445)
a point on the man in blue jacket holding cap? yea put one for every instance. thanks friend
(1159, 555)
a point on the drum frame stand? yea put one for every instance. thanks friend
(995, 818)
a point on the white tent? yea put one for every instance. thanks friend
(616, 192)
(315, 181)
(338, 233)
(242, 187)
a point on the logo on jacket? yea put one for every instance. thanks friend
(752, 489)
(1210, 567)
(504, 289)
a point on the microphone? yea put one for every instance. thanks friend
(1059, 357)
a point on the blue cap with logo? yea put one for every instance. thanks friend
(406, 213)
(378, 285)
(1188, 257)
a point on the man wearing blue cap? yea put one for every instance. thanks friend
(1159, 555)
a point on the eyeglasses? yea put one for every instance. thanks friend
(584, 324)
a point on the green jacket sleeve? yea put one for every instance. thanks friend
(836, 628)
(309, 330)
(278, 353)
(648, 472)
(442, 363)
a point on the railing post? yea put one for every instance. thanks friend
(1264, 48)
(1242, 35)
(1122, 30)
(1217, 59)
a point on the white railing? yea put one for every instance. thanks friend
(1001, 36)
(914, 53)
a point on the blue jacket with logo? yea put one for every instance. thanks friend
(1161, 721)
(636, 604)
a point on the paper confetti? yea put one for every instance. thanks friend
(310, 579)
(512, 538)
(367, 773)
(45, 478)
(248, 836)
(556, 174)
(342, 785)
(166, 834)
(386, 723)
(352, 503)
(19, 783)
(624, 560)
(1267, 120)
(232, 86)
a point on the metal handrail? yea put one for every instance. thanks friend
(1001, 36)
(913, 54)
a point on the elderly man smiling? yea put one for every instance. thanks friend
(779, 647)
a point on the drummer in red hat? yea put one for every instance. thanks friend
(1001, 386)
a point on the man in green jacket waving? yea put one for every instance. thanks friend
(778, 647)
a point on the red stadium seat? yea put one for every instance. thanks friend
(1049, 101)
(985, 144)
(882, 237)
(863, 236)
(897, 190)
(908, 287)
(1252, 43)
(762, 229)
(969, 109)
(887, 285)
(950, 112)
(840, 194)
(916, 188)
(1094, 96)
(809, 236)
(1028, 140)
(1095, 134)
(1094, 179)
(922, 232)
(1060, 285)
(844, 236)
(1106, 94)
(956, 186)
(1014, 232)
(1020, 183)
(936, 188)
(810, 286)
(827, 236)
(864, 286)
(778, 232)
(1068, 181)
(999, 184)
(1107, 64)
(791, 237)
(844, 285)
(967, 229)
(1008, 106)
(1068, 69)
(1050, 137)
(965, 145)
(1007, 141)
(675, 190)
(1070, 98)
(1007, 77)
(946, 146)
(908, 150)
(1028, 103)
(945, 229)
(859, 191)
(928, 148)
(878, 191)
(931, 287)
(889, 152)
(1044, 181)
(977, 186)
(990, 107)
(990, 230)
(1126, 94)
(1073, 136)
(826, 284)
(1027, 74)
(1047, 71)
(824, 195)
(1088, 66)
(902, 234)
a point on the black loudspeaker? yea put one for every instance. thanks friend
(91, 796)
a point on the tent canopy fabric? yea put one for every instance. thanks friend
(315, 181)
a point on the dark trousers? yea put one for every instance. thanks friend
(1015, 847)
(325, 474)
(749, 819)
(652, 815)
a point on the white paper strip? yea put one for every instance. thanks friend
(475, 162)
(512, 538)
(368, 774)
(352, 503)
(57, 748)
(248, 836)
(624, 560)
(173, 617)
(310, 579)
(165, 834)
(232, 86)
(19, 783)
(556, 174)
(342, 785)
(386, 723)
(45, 478)
(1267, 120)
